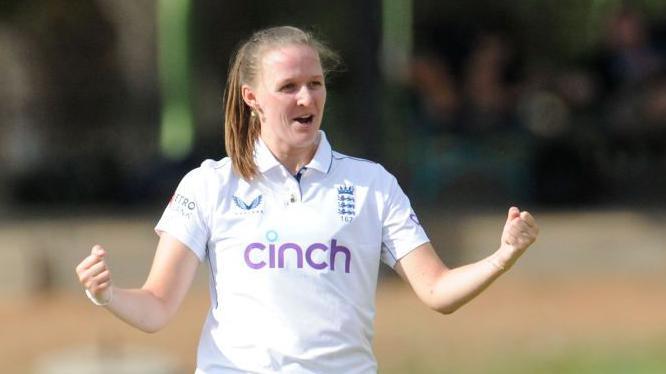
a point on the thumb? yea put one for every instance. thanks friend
(98, 251)
(513, 213)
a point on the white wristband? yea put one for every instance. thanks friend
(94, 300)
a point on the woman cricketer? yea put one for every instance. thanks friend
(292, 231)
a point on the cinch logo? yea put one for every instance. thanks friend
(260, 255)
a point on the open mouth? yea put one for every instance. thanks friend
(306, 120)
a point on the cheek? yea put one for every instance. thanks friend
(321, 99)
(271, 105)
(278, 109)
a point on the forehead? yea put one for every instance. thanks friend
(289, 61)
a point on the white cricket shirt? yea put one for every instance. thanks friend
(293, 264)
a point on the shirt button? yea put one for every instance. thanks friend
(293, 198)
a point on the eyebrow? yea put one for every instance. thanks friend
(316, 76)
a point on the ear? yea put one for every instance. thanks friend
(249, 96)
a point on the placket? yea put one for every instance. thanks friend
(293, 193)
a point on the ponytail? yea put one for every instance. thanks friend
(241, 129)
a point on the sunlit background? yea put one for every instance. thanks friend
(558, 107)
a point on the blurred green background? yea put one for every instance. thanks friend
(556, 106)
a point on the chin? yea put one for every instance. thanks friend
(305, 137)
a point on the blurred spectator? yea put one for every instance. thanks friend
(468, 138)
(22, 135)
(435, 93)
(557, 132)
(489, 85)
(625, 63)
(628, 56)
(631, 71)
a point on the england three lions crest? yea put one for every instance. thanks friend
(346, 202)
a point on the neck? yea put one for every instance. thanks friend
(292, 158)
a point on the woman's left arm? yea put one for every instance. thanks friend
(445, 290)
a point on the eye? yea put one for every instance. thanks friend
(316, 84)
(288, 87)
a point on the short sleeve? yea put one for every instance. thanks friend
(401, 230)
(183, 217)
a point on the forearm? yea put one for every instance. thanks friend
(456, 287)
(139, 308)
(150, 307)
(446, 290)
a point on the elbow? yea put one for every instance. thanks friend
(443, 304)
(444, 308)
(148, 329)
(151, 327)
(156, 317)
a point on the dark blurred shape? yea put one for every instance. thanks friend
(44, 274)
(504, 101)
(627, 57)
(495, 121)
(630, 67)
(468, 145)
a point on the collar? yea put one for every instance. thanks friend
(321, 161)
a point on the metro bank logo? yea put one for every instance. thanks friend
(272, 255)
(182, 205)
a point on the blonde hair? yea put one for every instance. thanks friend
(241, 128)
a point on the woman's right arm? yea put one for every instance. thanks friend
(152, 306)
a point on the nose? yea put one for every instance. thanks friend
(304, 96)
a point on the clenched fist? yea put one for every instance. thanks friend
(520, 231)
(95, 276)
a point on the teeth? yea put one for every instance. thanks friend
(304, 119)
